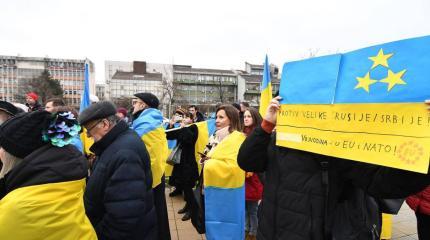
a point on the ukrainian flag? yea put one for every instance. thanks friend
(266, 89)
(86, 142)
(365, 105)
(171, 144)
(205, 129)
(149, 127)
(224, 191)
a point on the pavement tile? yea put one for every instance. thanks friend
(404, 224)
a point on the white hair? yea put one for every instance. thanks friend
(9, 162)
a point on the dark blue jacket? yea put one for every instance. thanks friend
(118, 198)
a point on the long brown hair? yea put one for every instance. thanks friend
(233, 116)
(256, 117)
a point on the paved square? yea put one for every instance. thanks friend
(404, 224)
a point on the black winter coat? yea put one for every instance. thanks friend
(118, 198)
(186, 172)
(293, 205)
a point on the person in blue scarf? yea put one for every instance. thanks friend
(148, 123)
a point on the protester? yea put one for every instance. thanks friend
(243, 107)
(223, 179)
(21, 107)
(7, 110)
(197, 116)
(253, 186)
(148, 123)
(420, 203)
(31, 102)
(52, 104)
(118, 198)
(185, 174)
(178, 191)
(42, 180)
(122, 114)
(303, 189)
(238, 108)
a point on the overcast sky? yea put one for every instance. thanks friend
(211, 34)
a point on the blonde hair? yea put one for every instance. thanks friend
(9, 162)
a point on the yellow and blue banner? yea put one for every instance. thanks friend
(266, 88)
(171, 144)
(85, 142)
(149, 127)
(224, 190)
(205, 130)
(365, 105)
(48, 211)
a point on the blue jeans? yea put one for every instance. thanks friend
(251, 219)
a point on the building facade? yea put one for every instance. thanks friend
(125, 84)
(101, 91)
(16, 71)
(250, 82)
(203, 87)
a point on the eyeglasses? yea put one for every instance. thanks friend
(135, 101)
(93, 126)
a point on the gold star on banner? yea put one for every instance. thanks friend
(394, 78)
(365, 82)
(380, 59)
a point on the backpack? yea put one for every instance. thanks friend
(356, 215)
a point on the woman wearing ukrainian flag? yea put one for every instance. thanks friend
(43, 179)
(223, 179)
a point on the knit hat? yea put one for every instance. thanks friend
(33, 95)
(22, 134)
(236, 105)
(123, 111)
(150, 99)
(181, 111)
(9, 108)
(95, 111)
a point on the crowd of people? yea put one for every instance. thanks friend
(53, 185)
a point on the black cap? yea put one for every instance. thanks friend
(97, 110)
(150, 99)
(22, 134)
(9, 108)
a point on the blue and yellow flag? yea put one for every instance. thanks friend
(149, 127)
(205, 129)
(85, 142)
(48, 211)
(266, 88)
(365, 105)
(224, 191)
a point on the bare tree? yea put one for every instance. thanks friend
(220, 88)
(170, 92)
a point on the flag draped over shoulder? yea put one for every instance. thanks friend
(224, 190)
(365, 105)
(86, 142)
(266, 88)
(24, 205)
(149, 127)
(205, 129)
